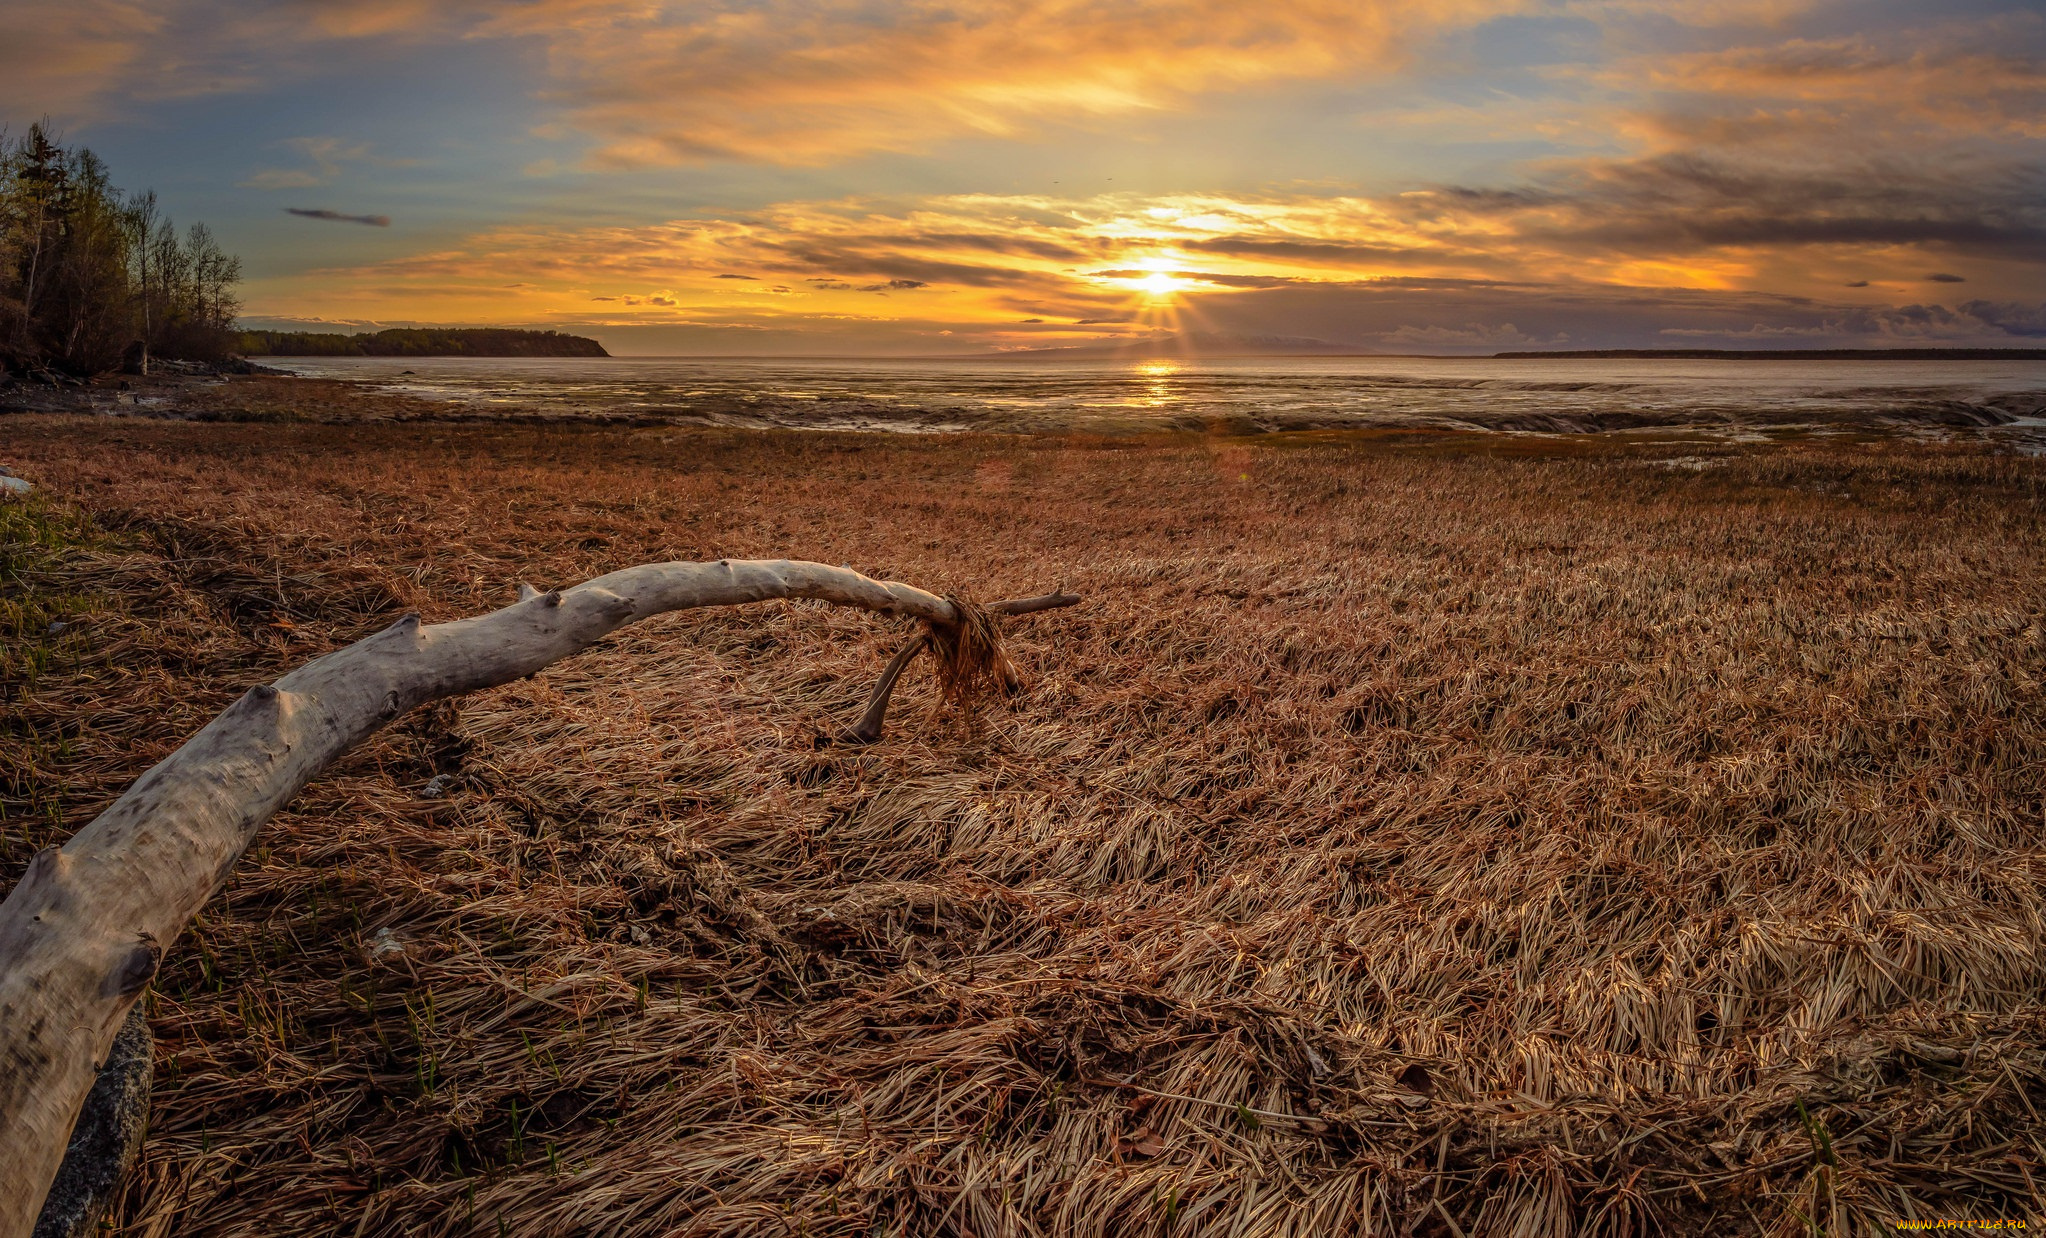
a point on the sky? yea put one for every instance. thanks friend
(931, 177)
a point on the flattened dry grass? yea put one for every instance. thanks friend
(1405, 837)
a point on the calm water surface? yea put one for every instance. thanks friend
(1271, 393)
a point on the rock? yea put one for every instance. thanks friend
(386, 946)
(10, 484)
(106, 1140)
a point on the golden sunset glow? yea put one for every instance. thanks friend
(785, 175)
(1160, 276)
(1160, 285)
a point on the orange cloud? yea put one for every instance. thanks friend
(1959, 80)
(86, 59)
(58, 59)
(778, 81)
(967, 258)
(804, 81)
(1614, 250)
(1030, 269)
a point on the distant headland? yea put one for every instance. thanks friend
(420, 342)
(1785, 354)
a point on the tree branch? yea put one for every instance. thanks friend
(80, 934)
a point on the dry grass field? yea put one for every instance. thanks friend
(1417, 834)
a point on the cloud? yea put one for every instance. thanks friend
(1477, 319)
(817, 81)
(89, 60)
(2011, 318)
(1920, 137)
(1441, 270)
(328, 156)
(1974, 77)
(1337, 253)
(1470, 337)
(774, 81)
(58, 59)
(1211, 279)
(1700, 200)
(1720, 170)
(1942, 277)
(374, 221)
(282, 178)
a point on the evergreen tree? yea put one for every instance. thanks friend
(86, 277)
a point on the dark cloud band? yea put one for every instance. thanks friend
(373, 221)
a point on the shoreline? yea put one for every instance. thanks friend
(273, 396)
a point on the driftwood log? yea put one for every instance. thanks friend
(83, 932)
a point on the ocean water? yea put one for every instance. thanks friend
(1037, 395)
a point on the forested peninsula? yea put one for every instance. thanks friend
(420, 342)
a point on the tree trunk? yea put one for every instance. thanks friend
(83, 932)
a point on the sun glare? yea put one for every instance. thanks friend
(1160, 284)
(1161, 279)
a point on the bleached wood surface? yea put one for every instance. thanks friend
(82, 933)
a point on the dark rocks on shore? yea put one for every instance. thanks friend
(210, 369)
(1575, 423)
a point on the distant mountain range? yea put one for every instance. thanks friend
(420, 342)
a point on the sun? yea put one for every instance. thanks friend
(1160, 284)
(1162, 294)
(1161, 277)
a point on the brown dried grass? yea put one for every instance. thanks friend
(1413, 833)
(970, 662)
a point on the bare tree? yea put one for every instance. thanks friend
(144, 217)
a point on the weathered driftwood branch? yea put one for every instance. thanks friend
(83, 932)
(868, 729)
